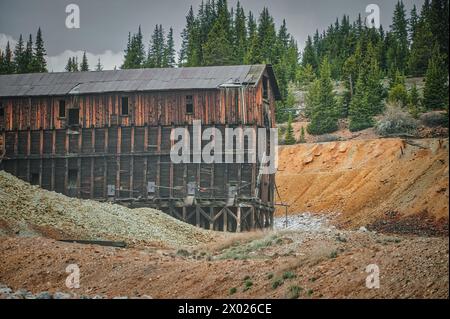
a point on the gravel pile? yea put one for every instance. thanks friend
(306, 222)
(29, 211)
(8, 293)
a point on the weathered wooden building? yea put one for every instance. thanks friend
(106, 136)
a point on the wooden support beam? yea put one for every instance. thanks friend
(197, 215)
(238, 219)
(92, 179)
(211, 218)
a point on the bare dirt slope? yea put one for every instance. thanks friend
(292, 264)
(388, 184)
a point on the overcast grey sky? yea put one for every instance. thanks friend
(104, 24)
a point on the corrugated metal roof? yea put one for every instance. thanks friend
(44, 84)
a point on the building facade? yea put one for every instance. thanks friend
(107, 136)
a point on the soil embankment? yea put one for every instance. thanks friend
(392, 185)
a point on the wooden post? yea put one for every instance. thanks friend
(118, 150)
(238, 220)
(225, 220)
(211, 218)
(197, 215)
(92, 178)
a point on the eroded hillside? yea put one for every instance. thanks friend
(390, 184)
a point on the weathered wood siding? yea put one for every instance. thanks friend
(224, 106)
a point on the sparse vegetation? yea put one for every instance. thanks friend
(248, 284)
(434, 119)
(244, 251)
(327, 138)
(288, 275)
(333, 254)
(277, 283)
(294, 292)
(396, 121)
(233, 291)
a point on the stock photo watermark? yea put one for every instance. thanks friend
(73, 17)
(261, 146)
(373, 279)
(73, 279)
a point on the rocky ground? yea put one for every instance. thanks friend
(310, 259)
(372, 203)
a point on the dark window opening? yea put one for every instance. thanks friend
(34, 179)
(73, 177)
(265, 88)
(124, 105)
(74, 117)
(62, 108)
(189, 104)
(2, 110)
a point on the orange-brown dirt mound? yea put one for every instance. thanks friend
(393, 185)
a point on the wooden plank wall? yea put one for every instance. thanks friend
(222, 106)
(125, 157)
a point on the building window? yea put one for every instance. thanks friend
(74, 117)
(265, 88)
(34, 179)
(189, 104)
(62, 108)
(2, 110)
(124, 109)
(72, 178)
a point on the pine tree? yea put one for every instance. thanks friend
(8, 61)
(99, 66)
(188, 36)
(135, 51)
(372, 81)
(69, 66)
(305, 75)
(76, 66)
(439, 24)
(218, 48)
(290, 138)
(252, 41)
(398, 51)
(239, 35)
(39, 64)
(413, 23)
(414, 101)
(19, 59)
(420, 46)
(156, 52)
(265, 51)
(360, 113)
(309, 55)
(169, 51)
(324, 115)
(84, 66)
(28, 56)
(435, 94)
(302, 135)
(397, 90)
(2, 64)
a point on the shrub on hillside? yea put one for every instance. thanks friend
(396, 121)
(327, 138)
(434, 119)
